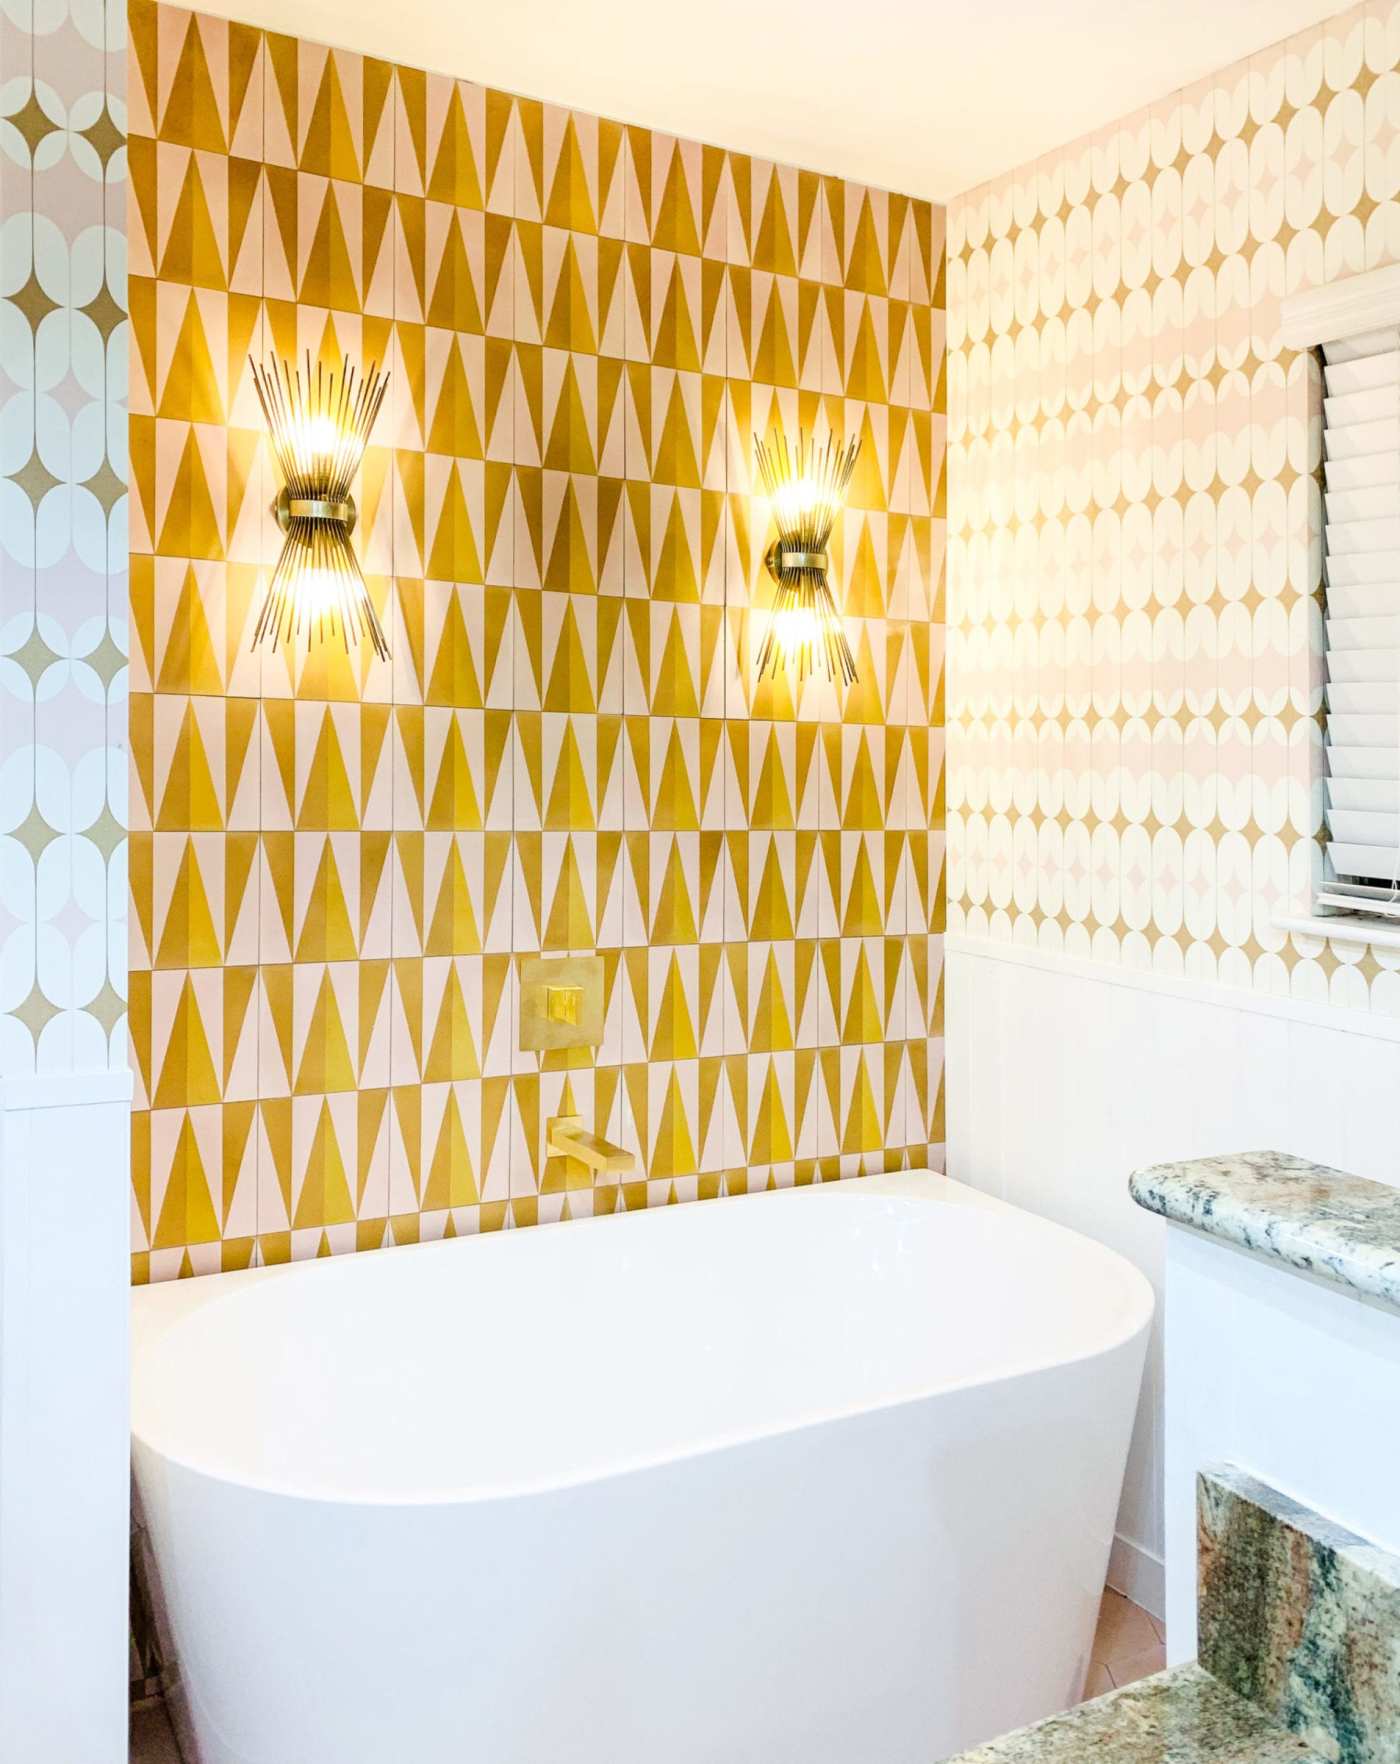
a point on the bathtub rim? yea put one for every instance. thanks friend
(159, 1308)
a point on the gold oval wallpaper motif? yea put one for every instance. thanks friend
(63, 571)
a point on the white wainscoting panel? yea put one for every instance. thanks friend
(1064, 1076)
(64, 1395)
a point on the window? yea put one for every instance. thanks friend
(1355, 324)
(1361, 535)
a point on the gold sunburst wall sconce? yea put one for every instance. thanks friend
(319, 422)
(806, 487)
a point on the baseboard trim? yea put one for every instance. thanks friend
(66, 1090)
(1344, 1019)
(1139, 1574)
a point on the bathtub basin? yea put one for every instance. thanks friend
(817, 1476)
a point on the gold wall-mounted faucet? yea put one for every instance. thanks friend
(561, 1010)
(567, 1137)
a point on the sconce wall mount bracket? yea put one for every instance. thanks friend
(780, 557)
(289, 508)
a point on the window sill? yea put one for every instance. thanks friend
(1383, 933)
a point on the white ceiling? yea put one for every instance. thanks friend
(925, 96)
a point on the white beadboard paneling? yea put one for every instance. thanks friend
(1064, 1076)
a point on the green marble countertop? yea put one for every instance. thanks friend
(1179, 1717)
(1340, 1228)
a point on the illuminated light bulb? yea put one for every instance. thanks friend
(320, 437)
(792, 626)
(796, 499)
(318, 590)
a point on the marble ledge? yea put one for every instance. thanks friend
(1341, 1228)
(1184, 1716)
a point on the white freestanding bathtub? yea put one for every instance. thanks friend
(821, 1476)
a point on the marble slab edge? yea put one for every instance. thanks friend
(1341, 1228)
(1183, 1716)
(1299, 1616)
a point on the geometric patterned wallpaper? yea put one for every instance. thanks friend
(337, 863)
(1134, 555)
(63, 537)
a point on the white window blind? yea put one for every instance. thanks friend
(1361, 527)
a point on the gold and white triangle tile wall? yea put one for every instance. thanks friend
(338, 863)
(1135, 561)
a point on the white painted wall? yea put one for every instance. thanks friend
(1065, 1075)
(64, 1396)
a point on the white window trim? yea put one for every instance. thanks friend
(1348, 308)
(1343, 928)
(1330, 314)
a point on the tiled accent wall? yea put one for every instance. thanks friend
(63, 543)
(338, 862)
(1134, 567)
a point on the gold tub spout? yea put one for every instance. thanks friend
(567, 1137)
